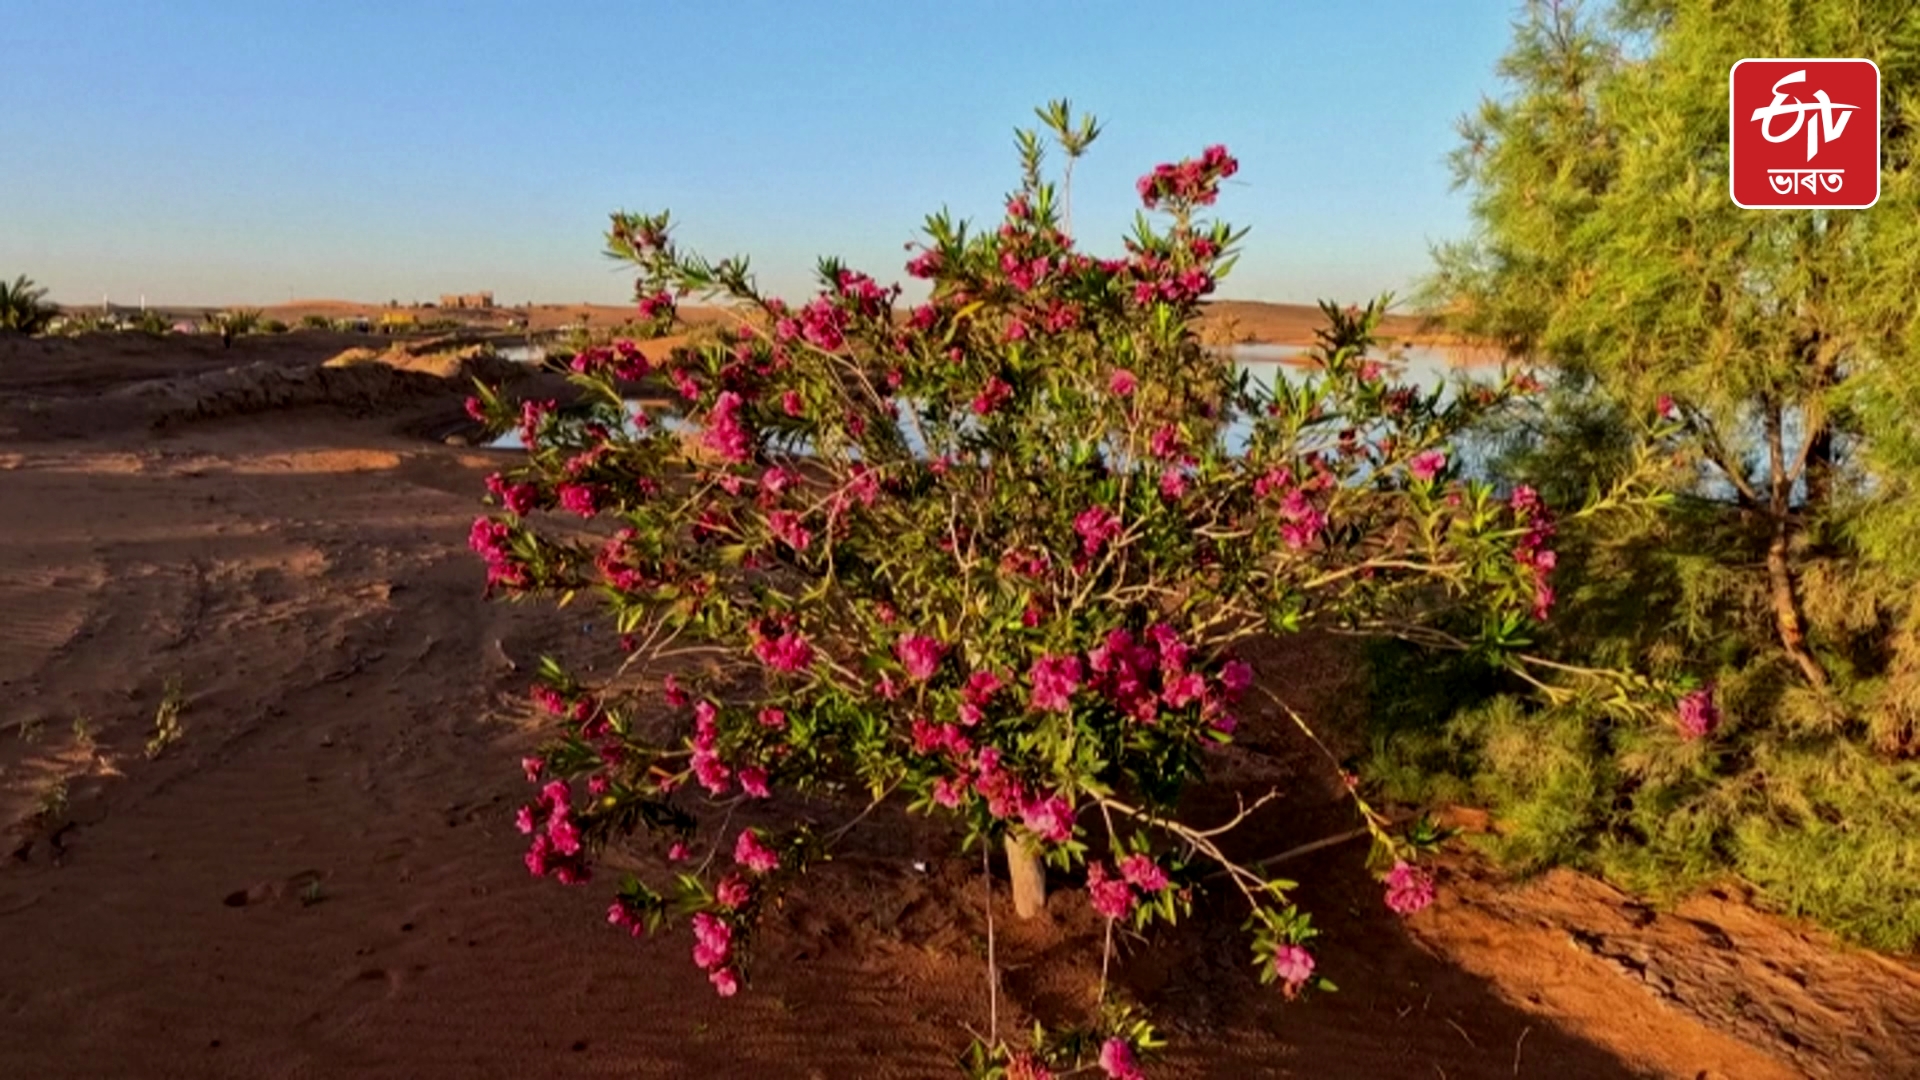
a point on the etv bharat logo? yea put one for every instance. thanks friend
(1804, 134)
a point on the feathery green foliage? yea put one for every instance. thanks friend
(1783, 344)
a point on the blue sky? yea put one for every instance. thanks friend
(229, 151)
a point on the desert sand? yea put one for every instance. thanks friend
(313, 871)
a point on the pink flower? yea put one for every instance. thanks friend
(713, 940)
(1173, 483)
(532, 766)
(725, 434)
(1143, 873)
(712, 773)
(725, 982)
(1409, 888)
(1050, 818)
(773, 718)
(1116, 1059)
(565, 834)
(749, 852)
(791, 404)
(678, 852)
(1427, 464)
(785, 525)
(924, 265)
(1054, 680)
(620, 915)
(1665, 407)
(1123, 383)
(1096, 525)
(949, 793)
(981, 685)
(921, 655)
(732, 892)
(1112, 897)
(536, 857)
(787, 652)
(995, 394)
(577, 498)
(676, 697)
(1167, 442)
(1293, 966)
(523, 820)
(1184, 690)
(1698, 715)
(753, 781)
(1236, 676)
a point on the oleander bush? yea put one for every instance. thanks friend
(989, 556)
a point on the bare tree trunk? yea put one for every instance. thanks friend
(1785, 598)
(1786, 608)
(1029, 878)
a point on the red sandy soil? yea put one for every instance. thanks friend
(319, 876)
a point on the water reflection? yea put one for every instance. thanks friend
(1422, 366)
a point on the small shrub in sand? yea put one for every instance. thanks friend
(988, 557)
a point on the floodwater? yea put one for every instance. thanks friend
(1426, 367)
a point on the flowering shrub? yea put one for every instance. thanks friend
(989, 555)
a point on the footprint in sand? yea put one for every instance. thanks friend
(303, 887)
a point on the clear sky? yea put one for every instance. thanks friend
(253, 151)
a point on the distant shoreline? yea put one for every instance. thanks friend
(1244, 322)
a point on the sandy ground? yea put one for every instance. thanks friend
(314, 872)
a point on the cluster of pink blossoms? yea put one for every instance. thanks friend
(713, 952)
(995, 394)
(1532, 551)
(489, 539)
(532, 415)
(1409, 888)
(1095, 525)
(1113, 896)
(782, 648)
(520, 499)
(623, 357)
(1195, 181)
(1302, 521)
(1426, 465)
(556, 848)
(1054, 680)
(656, 305)
(726, 435)
(1697, 714)
(920, 654)
(1126, 670)
(750, 852)
(578, 498)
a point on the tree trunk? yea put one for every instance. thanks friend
(1029, 878)
(1786, 607)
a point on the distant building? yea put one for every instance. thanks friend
(466, 300)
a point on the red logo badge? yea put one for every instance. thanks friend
(1805, 134)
